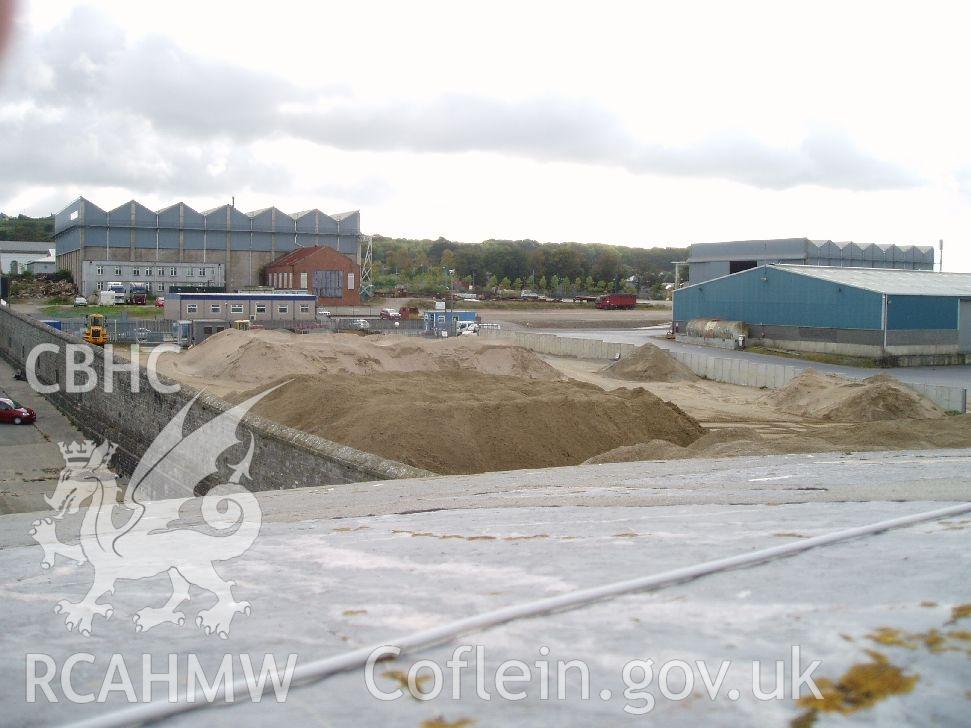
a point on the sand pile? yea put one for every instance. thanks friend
(927, 434)
(251, 358)
(649, 363)
(458, 421)
(836, 398)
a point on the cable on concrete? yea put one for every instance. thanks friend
(318, 670)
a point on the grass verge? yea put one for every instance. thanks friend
(144, 312)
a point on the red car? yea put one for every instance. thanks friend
(11, 411)
(160, 302)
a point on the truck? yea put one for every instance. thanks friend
(118, 288)
(610, 301)
(137, 294)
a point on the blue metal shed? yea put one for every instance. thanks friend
(893, 311)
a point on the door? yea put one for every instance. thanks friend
(964, 327)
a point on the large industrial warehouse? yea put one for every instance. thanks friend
(870, 312)
(242, 243)
(712, 260)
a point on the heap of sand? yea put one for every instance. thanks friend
(464, 421)
(838, 399)
(251, 358)
(649, 363)
(928, 434)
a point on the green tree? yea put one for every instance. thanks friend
(492, 283)
(504, 283)
(589, 285)
(518, 284)
(543, 283)
(577, 285)
(448, 259)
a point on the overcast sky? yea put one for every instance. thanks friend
(635, 123)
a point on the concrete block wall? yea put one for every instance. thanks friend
(730, 370)
(561, 345)
(283, 457)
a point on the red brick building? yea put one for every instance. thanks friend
(332, 276)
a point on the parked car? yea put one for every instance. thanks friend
(360, 324)
(80, 301)
(390, 313)
(323, 313)
(12, 411)
(160, 302)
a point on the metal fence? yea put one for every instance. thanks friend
(124, 330)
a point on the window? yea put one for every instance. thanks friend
(172, 272)
(236, 308)
(101, 285)
(289, 279)
(261, 308)
(101, 270)
(214, 308)
(303, 281)
(161, 287)
(283, 308)
(350, 281)
(117, 270)
(188, 272)
(148, 287)
(191, 308)
(160, 272)
(136, 271)
(304, 308)
(202, 272)
(74, 214)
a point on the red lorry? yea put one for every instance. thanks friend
(616, 300)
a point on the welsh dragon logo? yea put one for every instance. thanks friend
(156, 524)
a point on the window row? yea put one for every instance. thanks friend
(238, 308)
(137, 271)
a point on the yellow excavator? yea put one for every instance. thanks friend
(95, 331)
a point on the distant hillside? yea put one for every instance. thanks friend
(22, 227)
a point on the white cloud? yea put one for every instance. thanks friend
(708, 121)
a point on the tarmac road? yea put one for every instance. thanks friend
(30, 460)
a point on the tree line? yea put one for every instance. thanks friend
(515, 264)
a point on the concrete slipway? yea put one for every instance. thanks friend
(341, 567)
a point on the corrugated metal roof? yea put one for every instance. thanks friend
(888, 280)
